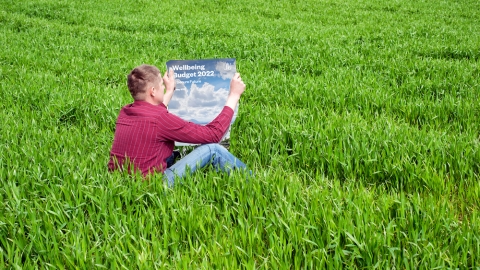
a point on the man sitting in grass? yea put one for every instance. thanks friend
(145, 132)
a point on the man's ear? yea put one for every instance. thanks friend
(151, 91)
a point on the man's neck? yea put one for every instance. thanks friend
(148, 100)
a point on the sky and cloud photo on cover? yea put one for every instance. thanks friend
(202, 88)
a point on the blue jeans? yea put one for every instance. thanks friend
(205, 154)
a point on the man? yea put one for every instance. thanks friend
(146, 132)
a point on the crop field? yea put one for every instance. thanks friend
(360, 121)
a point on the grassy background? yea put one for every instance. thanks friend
(361, 121)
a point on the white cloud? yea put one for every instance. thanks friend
(202, 104)
(226, 70)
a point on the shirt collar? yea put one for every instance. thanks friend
(141, 103)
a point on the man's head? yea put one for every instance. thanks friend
(145, 83)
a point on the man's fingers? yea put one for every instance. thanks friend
(237, 77)
(168, 73)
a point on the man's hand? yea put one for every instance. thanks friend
(237, 87)
(169, 80)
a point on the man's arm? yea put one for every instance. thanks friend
(169, 81)
(174, 128)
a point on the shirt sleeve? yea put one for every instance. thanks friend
(174, 128)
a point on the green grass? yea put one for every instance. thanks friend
(361, 121)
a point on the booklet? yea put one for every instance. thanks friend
(202, 88)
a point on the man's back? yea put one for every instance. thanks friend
(138, 137)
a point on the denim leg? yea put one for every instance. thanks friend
(206, 154)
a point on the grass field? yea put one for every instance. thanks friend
(361, 122)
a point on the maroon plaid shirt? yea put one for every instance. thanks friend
(145, 135)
